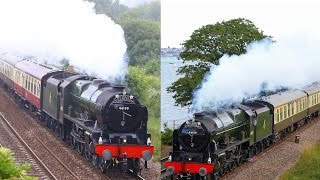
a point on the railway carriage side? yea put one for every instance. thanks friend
(27, 82)
(7, 73)
(287, 108)
(27, 87)
(313, 99)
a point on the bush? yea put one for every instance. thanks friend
(146, 87)
(8, 168)
(166, 135)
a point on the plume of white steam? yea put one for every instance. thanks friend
(290, 62)
(52, 30)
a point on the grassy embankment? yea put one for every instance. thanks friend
(308, 166)
(147, 89)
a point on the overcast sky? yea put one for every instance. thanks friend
(179, 18)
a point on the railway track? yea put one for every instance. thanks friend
(68, 174)
(163, 169)
(138, 175)
(23, 152)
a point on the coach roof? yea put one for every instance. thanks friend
(281, 98)
(35, 69)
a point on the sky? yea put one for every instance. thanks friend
(179, 18)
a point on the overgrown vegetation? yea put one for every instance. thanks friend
(308, 166)
(166, 135)
(9, 169)
(146, 87)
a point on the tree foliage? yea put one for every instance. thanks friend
(142, 38)
(141, 27)
(8, 168)
(150, 11)
(111, 8)
(145, 87)
(166, 135)
(204, 49)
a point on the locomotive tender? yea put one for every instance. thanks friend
(99, 119)
(213, 143)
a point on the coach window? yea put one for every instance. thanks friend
(289, 110)
(38, 89)
(29, 83)
(26, 81)
(32, 85)
(285, 111)
(314, 99)
(305, 103)
(281, 114)
(34, 88)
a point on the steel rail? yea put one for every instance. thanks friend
(33, 153)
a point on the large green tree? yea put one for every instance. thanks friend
(204, 49)
(142, 38)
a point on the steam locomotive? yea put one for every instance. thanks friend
(213, 143)
(99, 119)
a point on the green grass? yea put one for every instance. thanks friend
(154, 129)
(308, 166)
